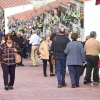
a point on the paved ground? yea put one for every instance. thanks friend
(31, 85)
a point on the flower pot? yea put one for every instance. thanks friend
(82, 24)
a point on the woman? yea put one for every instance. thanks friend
(7, 59)
(45, 55)
(75, 59)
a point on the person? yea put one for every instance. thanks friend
(75, 59)
(20, 41)
(35, 42)
(3, 40)
(14, 34)
(54, 34)
(45, 49)
(92, 49)
(83, 67)
(0, 35)
(60, 42)
(7, 60)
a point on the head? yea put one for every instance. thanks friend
(18, 34)
(57, 32)
(47, 37)
(62, 30)
(93, 34)
(9, 38)
(74, 36)
(87, 37)
(33, 31)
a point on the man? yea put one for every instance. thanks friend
(92, 49)
(0, 35)
(58, 46)
(35, 42)
(54, 34)
(20, 41)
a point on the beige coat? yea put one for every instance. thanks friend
(92, 47)
(43, 49)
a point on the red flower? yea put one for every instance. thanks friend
(98, 63)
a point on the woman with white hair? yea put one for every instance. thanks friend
(45, 54)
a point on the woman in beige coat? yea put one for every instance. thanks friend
(45, 55)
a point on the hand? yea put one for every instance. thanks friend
(15, 50)
(84, 64)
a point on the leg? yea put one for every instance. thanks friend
(88, 69)
(12, 75)
(51, 66)
(96, 69)
(36, 56)
(77, 76)
(63, 69)
(33, 55)
(58, 69)
(72, 74)
(21, 54)
(44, 66)
(5, 69)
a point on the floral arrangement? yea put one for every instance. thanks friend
(97, 2)
(81, 17)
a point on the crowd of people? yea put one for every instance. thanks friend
(72, 53)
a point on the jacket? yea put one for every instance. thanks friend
(43, 49)
(92, 47)
(60, 42)
(75, 53)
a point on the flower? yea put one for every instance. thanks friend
(81, 17)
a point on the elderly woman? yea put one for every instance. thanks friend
(7, 51)
(75, 59)
(45, 55)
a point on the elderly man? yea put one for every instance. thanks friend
(20, 41)
(92, 48)
(35, 42)
(58, 46)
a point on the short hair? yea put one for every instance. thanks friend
(92, 34)
(10, 36)
(74, 36)
(47, 35)
(87, 37)
(62, 31)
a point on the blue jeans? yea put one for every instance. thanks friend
(74, 71)
(60, 69)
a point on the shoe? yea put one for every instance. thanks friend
(73, 86)
(64, 85)
(96, 82)
(59, 86)
(32, 66)
(52, 75)
(45, 75)
(77, 86)
(6, 88)
(22, 65)
(86, 82)
(11, 87)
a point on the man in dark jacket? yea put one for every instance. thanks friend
(58, 46)
(20, 41)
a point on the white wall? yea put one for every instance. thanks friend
(37, 3)
(15, 10)
(92, 18)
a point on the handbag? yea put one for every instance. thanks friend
(17, 58)
(53, 55)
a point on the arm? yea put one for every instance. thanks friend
(52, 45)
(99, 47)
(41, 49)
(66, 51)
(0, 53)
(31, 40)
(83, 53)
